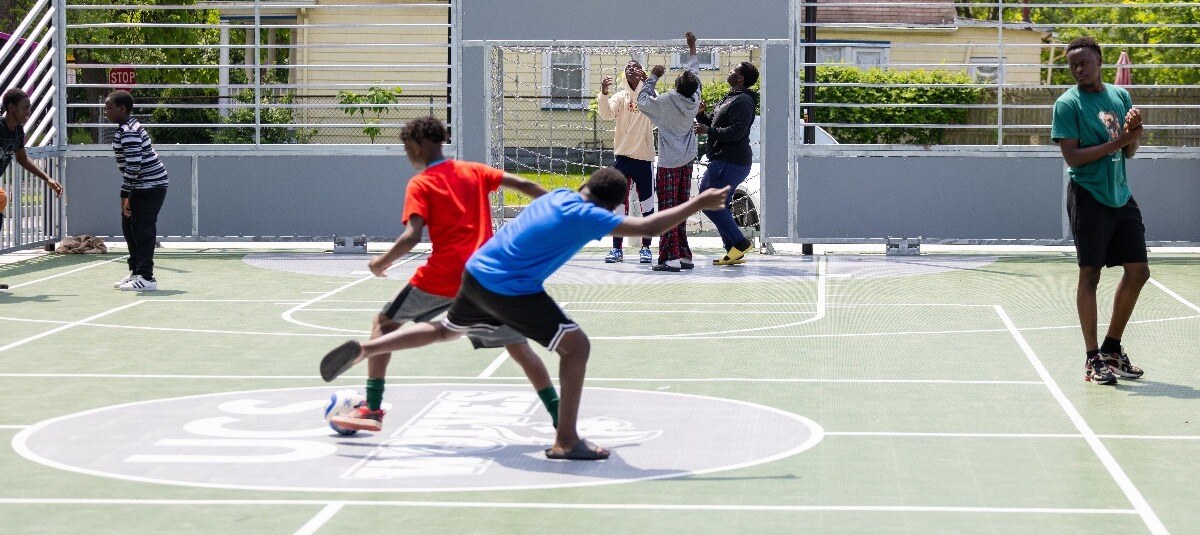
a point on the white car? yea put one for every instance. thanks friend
(745, 198)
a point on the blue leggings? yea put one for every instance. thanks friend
(718, 175)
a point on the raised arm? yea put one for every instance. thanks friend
(660, 222)
(527, 187)
(605, 106)
(648, 100)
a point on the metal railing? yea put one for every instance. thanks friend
(263, 72)
(32, 58)
(928, 72)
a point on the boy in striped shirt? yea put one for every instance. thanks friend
(143, 190)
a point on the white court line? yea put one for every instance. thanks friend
(951, 435)
(287, 315)
(322, 517)
(65, 273)
(522, 378)
(1177, 297)
(1131, 492)
(821, 278)
(577, 506)
(210, 331)
(23, 320)
(495, 365)
(339, 310)
(61, 328)
(706, 311)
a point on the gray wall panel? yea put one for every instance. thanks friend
(302, 195)
(93, 193)
(623, 19)
(474, 110)
(936, 197)
(776, 106)
(1168, 192)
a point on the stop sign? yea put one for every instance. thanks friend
(122, 78)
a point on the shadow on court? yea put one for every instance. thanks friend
(1142, 387)
(7, 296)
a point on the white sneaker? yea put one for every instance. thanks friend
(117, 285)
(138, 284)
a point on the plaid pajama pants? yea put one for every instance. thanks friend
(674, 187)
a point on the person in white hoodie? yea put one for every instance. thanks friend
(633, 146)
(674, 113)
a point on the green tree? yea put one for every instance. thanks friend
(371, 106)
(1157, 18)
(12, 12)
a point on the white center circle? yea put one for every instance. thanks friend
(441, 437)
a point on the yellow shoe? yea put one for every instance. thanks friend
(726, 261)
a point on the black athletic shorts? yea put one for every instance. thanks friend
(536, 316)
(1105, 236)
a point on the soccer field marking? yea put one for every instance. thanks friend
(1177, 297)
(65, 273)
(323, 517)
(1110, 463)
(287, 315)
(822, 268)
(495, 365)
(64, 327)
(575, 506)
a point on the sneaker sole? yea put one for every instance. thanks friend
(729, 263)
(1124, 374)
(358, 424)
(339, 360)
(1112, 381)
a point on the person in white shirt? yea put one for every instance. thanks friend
(633, 146)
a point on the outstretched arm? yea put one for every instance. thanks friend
(23, 159)
(526, 187)
(660, 222)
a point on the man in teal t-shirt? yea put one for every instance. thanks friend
(1097, 128)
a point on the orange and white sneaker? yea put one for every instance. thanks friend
(362, 418)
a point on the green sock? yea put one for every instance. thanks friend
(374, 393)
(550, 400)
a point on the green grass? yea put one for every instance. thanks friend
(547, 180)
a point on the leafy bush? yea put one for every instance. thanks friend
(270, 113)
(897, 88)
(206, 115)
(373, 103)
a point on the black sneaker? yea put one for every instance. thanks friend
(1119, 365)
(686, 264)
(666, 267)
(1097, 370)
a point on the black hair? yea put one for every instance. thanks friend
(749, 73)
(122, 98)
(12, 97)
(428, 128)
(1087, 42)
(609, 186)
(687, 83)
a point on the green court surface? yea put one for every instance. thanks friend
(941, 393)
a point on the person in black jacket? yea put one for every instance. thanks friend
(729, 154)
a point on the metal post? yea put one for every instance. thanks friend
(61, 135)
(257, 73)
(454, 75)
(810, 69)
(1000, 74)
(195, 196)
(223, 72)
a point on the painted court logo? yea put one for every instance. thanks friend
(436, 438)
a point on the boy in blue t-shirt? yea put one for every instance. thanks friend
(1097, 128)
(503, 285)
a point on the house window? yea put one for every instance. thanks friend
(565, 78)
(863, 55)
(987, 70)
(707, 60)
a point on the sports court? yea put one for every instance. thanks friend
(839, 392)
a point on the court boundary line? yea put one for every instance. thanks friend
(64, 327)
(521, 378)
(1002, 435)
(1177, 297)
(65, 273)
(1147, 514)
(322, 517)
(583, 506)
(287, 315)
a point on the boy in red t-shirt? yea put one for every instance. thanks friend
(451, 198)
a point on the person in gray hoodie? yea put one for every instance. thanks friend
(674, 113)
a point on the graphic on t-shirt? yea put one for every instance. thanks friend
(1111, 124)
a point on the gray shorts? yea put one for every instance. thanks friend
(414, 304)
